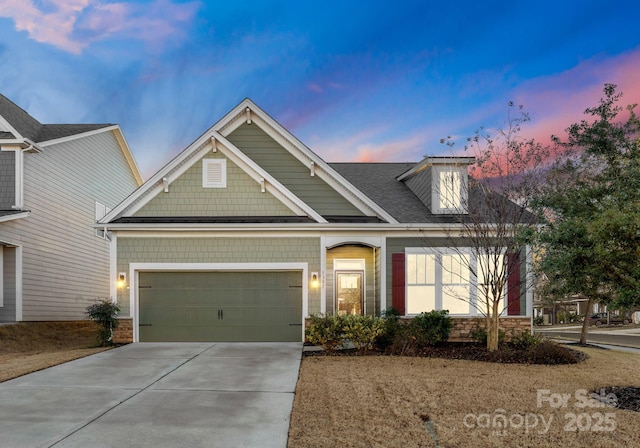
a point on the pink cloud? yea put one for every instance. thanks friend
(72, 25)
(555, 102)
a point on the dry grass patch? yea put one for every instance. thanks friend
(379, 401)
(31, 346)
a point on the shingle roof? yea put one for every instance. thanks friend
(30, 128)
(378, 181)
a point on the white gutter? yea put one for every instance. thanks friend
(284, 227)
(14, 216)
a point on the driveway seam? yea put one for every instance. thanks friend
(129, 398)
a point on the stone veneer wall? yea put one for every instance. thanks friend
(124, 333)
(464, 326)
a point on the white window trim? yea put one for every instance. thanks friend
(223, 167)
(438, 252)
(436, 193)
(136, 268)
(362, 268)
(473, 280)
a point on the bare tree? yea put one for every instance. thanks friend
(494, 221)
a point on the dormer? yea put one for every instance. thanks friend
(441, 183)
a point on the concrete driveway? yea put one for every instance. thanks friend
(157, 395)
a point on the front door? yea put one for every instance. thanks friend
(349, 292)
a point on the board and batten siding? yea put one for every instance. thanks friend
(241, 197)
(218, 250)
(353, 252)
(288, 170)
(7, 180)
(65, 265)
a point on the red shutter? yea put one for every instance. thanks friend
(513, 284)
(398, 283)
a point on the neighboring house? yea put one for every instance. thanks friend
(56, 180)
(247, 232)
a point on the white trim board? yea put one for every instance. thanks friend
(136, 268)
(218, 133)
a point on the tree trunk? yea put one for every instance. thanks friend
(585, 323)
(493, 330)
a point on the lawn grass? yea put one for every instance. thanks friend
(31, 346)
(383, 401)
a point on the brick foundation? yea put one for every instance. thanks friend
(124, 333)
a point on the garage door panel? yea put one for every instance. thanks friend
(220, 306)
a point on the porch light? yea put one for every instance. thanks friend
(122, 280)
(314, 280)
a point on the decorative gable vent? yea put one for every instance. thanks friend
(214, 173)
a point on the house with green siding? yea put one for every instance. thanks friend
(56, 180)
(248, 232)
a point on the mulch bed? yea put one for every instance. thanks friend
(628, 398)
(548, 353)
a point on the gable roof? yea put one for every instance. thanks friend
(215, 139)
(20, 128)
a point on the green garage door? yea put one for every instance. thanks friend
(220, 306)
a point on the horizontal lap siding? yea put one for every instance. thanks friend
(241, 197)
(219, 250)
(65, 266)
(288, 170)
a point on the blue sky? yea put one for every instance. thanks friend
(354, 80)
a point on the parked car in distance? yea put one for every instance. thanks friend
(599, 319)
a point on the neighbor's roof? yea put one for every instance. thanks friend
(30, 128)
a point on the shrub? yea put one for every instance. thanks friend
(362, 331)
(105, 314)
(391, 322)
(525, 340)
(538, 320)
(480, 335)
(548, 352)
(326, 331)
(431, 328)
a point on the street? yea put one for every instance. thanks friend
(618, 335)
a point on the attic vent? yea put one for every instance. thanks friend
(214, 173)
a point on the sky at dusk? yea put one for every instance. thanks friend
(353, 80)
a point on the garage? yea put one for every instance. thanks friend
(229, 306)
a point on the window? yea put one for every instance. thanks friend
(491, 268)
(438, 279)
(450, 190)
(421, 283)
(456, 288)
(214, 173)
(449, 194)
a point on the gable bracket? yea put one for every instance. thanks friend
(248, 111)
